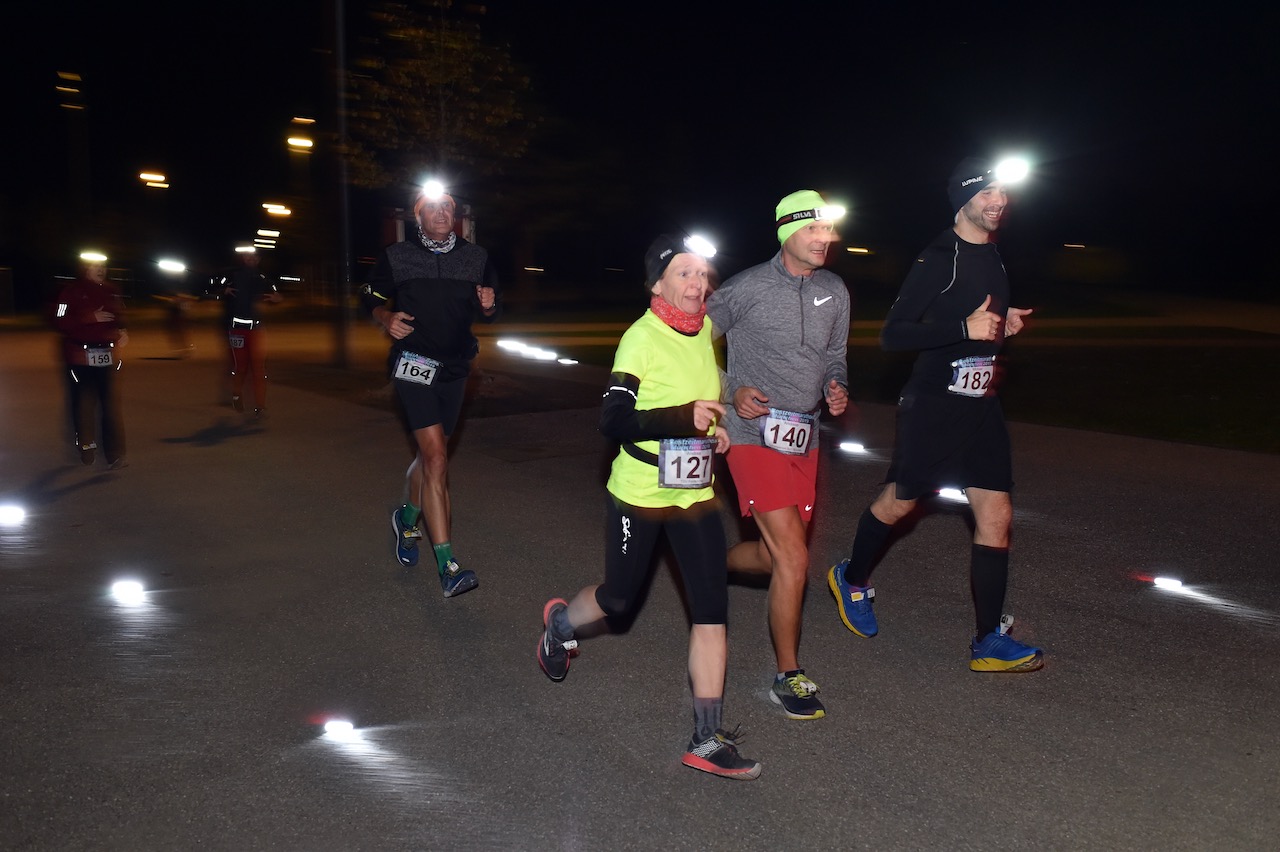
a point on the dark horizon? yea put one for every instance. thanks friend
(1142, 131)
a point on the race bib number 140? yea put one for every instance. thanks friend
(789, 432)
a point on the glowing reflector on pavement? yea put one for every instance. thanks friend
(340, 729)
(128, 592)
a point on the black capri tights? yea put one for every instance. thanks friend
(696, 535)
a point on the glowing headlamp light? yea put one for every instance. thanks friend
(93, 257)
(700, 246)
(830, 213)
(433, 190)
(1011, 170)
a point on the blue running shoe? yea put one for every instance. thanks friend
(455, 580)
(854, 602)
(1000, 652)
(406, 540)
(798, 696)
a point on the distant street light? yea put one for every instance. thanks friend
(154, 179)
(174, 266)
(300, 144)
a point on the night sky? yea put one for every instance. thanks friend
(1148, 130)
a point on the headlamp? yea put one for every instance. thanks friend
(433, 190)
(1011, 170)
(700, 246)
(93, 257)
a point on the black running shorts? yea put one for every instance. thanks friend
(944, 441)
(427, 405)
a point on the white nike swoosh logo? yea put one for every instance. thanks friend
(808, 508)
(817, 301)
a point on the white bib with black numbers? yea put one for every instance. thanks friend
(685, 462)
(98, 356)
(416, 368)
(789, 432)
(972, 376)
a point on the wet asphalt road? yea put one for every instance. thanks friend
(274, 602)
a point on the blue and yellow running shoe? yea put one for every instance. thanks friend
(1000, 652)
(854, 602)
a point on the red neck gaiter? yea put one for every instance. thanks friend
(676, 318)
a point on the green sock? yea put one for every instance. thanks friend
(409, 514)
(444, 553)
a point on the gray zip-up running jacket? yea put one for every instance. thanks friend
(787, 336)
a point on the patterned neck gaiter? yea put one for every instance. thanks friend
(438, 246)
(676, 318)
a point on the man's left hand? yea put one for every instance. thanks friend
(1013, 320)
(488, 298)
(837, 398)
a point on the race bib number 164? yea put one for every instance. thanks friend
(416, 368)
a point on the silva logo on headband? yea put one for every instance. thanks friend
(833, 211)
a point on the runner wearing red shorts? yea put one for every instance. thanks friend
(787, 326)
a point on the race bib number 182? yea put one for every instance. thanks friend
(972, 376)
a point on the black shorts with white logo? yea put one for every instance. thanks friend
(949, 441)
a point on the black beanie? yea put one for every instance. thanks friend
(659, 255)
(968, 178)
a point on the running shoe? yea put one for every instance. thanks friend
(554, 655)
(455, 580)
(798, 696)
(718, 754)
(88, 453)
(854, 602)
(406, 540)
(1000, 652)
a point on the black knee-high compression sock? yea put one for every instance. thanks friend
(868, 541)
(988, 579)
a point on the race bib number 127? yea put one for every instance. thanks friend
(685, 462)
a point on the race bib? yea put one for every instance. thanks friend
(685, 462)
(416, 368)
(237, 340)
(788, 432)
(98, 356)
(972, 376)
